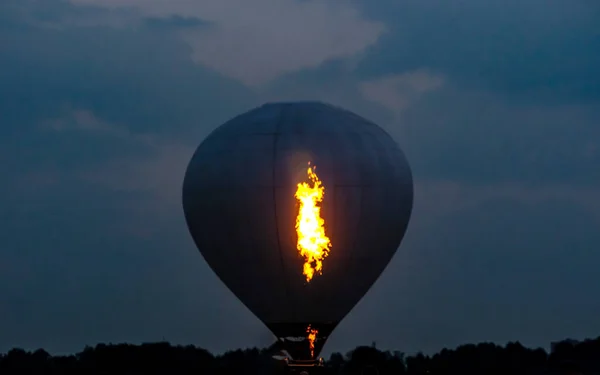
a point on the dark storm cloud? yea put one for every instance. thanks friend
(530, 50)
(93, 82)
(481, 138)
(142, 80)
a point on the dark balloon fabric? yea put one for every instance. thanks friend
(238, 199)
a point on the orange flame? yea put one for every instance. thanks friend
(312, 336)
(313, 244)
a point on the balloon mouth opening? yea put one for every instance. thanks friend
(302, 341)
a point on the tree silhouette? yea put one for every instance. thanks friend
(568, 358)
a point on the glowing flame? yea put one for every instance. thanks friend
(312, 336)
(313, 244)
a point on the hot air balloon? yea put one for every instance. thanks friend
(298, 208)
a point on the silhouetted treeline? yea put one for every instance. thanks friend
(162, 358)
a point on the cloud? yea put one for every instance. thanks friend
(59, 15)
(159, 175)
(482, 137)
(83, 120)
(144, 80)
(265, 40)
(175, 22)
(396, 92)
(509, 47)
(154, 170)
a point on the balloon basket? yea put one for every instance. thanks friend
(304, 363)
(301, 367)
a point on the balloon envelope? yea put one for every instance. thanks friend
(239, 203)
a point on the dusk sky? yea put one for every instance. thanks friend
(496, 104)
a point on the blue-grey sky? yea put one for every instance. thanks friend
(102, 102)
